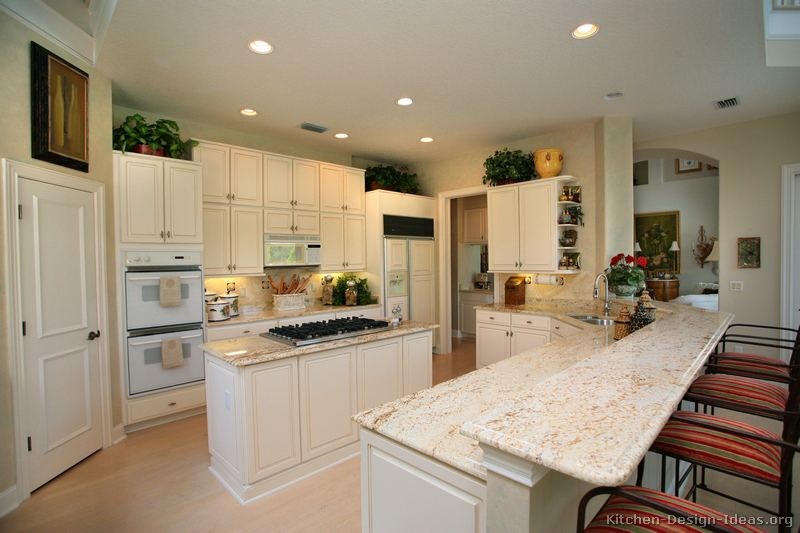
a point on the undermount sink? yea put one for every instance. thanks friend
(594, 319)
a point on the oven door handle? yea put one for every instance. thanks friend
(145, 343)
(157, 278)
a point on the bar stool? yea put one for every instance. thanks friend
(640, 509)
(756, 365)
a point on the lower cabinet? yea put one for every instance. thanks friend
(501, 335)
(417, 363)
(380, 367)
(523, 340)
(493, 343)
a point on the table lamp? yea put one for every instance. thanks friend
(675, 249)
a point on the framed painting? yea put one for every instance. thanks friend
(683, 166)
(655, 233)
(748, 252)
(59, 110)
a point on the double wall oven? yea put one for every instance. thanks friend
(151, 321)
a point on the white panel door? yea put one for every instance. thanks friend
(59, 306)
(380, 373)
(503, 229)
(305, 189)
(306, 222)
(217, 239)
(493, 344)
(524, 340)
(278, 182)
(422, 257)
(396, 254)
(278, 221)
(331, 188)
(474, 225)
(423, 299)
(417, 363)
(274, 418)
(247, 178)
(141, 200)
(332, 241)
(247, 240)
(183, 202)
(354, 198)
(355, 241)
(328, 398)
(216, 176)
(537, 226)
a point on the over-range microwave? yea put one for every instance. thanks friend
(291, 250)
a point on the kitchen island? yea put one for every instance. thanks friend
(279, 413)
(513, 446)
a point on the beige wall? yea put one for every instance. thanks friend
(15, 144)
(614, 164)
(750, 156)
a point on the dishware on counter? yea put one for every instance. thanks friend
(232, 299)
(209, 296)
(218, 311)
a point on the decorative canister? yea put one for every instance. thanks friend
(233, 299)
(327, 290)
(218, 310)
(548, 162)
(640, 318)
(622, 324)
(209, 296)
(351, 293)
(649, 306)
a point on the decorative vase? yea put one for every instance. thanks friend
(624, 291)
(548, 162)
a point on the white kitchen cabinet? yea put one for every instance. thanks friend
(331, 188)
(278, 182)
(214, 159)
(423, 299)
(396, 255)
(183, 202)
(355, 243)
(247, 240)
(217, 332)
(422, 255)
(380, 368)
(503, 206)
(468, 300)
(493, 343)
(562, 329)
(306, 222)
(501, 335)
(217, 240)
(343, 239)
(417, 362)
(246, 177)
(354, 194)
(291, 222)
(475, 226)
(305, 185)
(523, 340)
(328, 398)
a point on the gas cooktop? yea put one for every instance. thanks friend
(325, 330)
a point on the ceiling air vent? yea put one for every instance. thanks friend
(727, 103)
(316, 128)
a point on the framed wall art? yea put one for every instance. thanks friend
(59, 110)
(655, 233)
(748, 252)
(683, 166)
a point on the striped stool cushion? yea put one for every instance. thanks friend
(754, 364)
(747, 392)
(718, 449)
(622, 514)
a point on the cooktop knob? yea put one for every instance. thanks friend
(147, 259)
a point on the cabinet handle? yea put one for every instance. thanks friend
(169, 234)
(229, 266)
(234, 266)
(342, 207)
(491, 318)
(506, 334)
(228, 196)
(233, 197)
(172, 404)
(246, 331)
(557, 327)
(512, 333)
(345, 207)
(162, 234)
(528, 322)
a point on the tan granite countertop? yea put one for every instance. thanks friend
(583, 405)
(273, 314)
(254, 349)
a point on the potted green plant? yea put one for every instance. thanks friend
(362, 287)
(508, 166)
(161, 138)
(391, 178)
(626, 274)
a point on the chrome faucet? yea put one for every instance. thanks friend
(606, 300)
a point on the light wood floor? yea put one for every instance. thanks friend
(460, 361)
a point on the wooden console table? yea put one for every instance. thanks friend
(663, 290)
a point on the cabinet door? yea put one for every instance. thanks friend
(278, 221)
(328, 398)
(380, 373)
(354, 199)
(305, 188)
(503, 229)
(355, 243)
(183, 202)
(537, 226)
(423, 299)
(396, 254)
(493, 344)
(467, 315)
(274, 416)
(247, 240)
(417, 363)
(141, 200)
(475, 225)
(216, 180)
(278, 181)
(331, 188)
(216, 239)
(422, 257)
(523, 340)
(332, 241)
(247, 178)
(306, 222)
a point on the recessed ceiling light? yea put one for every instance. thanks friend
(405, 101)
(246, 111)
(426, 140)
(260, 47)
(584, 31)
(613, 96)
(341, 136)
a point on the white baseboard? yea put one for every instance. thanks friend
(117, 434)
(8, 500)
(130, 428)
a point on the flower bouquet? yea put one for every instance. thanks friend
(626, 274)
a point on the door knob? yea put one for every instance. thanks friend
(93, 335)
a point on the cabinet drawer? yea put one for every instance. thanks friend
(218, 333)
(166, 403)
(530, 321)
(563, 329)
(493, 317)
(375, 313)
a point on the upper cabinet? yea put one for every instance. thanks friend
(305, 185)
(278, 182)
(246, 177)
(216, 176)
(230, 174)
(342, 190)
(160, 200)
(354, 199)
(475, 226)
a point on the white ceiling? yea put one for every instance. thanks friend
(480, 73)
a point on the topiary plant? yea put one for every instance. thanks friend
(507, 166)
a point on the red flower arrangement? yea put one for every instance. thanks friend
(626, 270)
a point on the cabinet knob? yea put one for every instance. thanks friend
(506, 334)
(169, 234)
(162, 234)
(233, 197)
(229, 267)
(228, 196)
(511, 334)
(345, 207)
(491, 318)
(172, 404)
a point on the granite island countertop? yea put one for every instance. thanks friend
(255, 349)
(583, 405)
(268, 313)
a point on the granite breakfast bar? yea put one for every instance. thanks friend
(513, 446)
